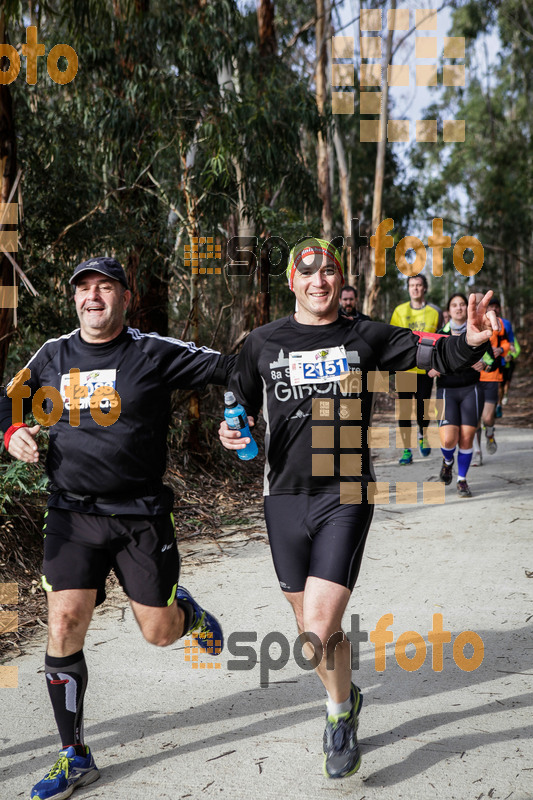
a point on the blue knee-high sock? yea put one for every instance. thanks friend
(448, 454)
(463, 462)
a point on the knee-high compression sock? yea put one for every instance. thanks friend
(67, 680)
(463, 462)
(448, 454)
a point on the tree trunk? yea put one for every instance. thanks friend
(371, 279)
(147, 274)
(267, 33)
(8, 169)
(267, 49)
(346, 204)
(148, 310)
(193, 321)
(242, 276)
(324, 189)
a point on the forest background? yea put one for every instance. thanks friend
(210, 120)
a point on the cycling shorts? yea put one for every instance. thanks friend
(314, 535)
(80, 550)
(462, 405)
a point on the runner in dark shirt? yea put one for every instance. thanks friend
(310, 373)
(108, 391)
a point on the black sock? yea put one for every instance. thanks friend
(67, 680)
(188, 610)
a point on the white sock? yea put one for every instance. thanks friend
(334, 709)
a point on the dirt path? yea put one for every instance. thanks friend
(161, 729)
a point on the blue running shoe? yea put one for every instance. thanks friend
(342, 756)
(423, 446)
(407, 457)
(69, 772)
(205, 628)
(499, 412)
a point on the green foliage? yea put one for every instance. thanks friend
(18, 480)
(493, 165)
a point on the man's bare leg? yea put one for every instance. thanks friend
(319, 609)
(159, 626)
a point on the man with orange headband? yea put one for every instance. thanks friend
(308, 372)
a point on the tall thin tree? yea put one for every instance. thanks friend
(8, 170)
(322, 31)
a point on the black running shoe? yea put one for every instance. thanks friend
(446, 472)
(463, 489)
(342, 756)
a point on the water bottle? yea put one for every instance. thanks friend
(235, 416)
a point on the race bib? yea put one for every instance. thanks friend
(318, 366)
(89, 382)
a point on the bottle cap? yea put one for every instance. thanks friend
(229, 399)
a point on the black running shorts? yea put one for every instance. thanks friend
(314, 535)
(80, 550)
(462, 405)
(508, 370)
(423, 392)
(490, 391)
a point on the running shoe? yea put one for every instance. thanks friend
(505, 400)
(205, 628)
(477, 459)
(499, 412)
(423, 446)
(446, 472)
(69, 772)
(491, 445)
(342, 756)
(463, 489)
(406, 458)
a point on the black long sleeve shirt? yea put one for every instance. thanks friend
(126, 460)
(293, 413)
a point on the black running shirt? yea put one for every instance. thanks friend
(300, 457)
(125, 460)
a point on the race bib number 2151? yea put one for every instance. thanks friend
(318, 366)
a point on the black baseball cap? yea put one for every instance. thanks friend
(104, 264)
(494, 301)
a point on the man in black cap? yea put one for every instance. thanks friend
(106, 389)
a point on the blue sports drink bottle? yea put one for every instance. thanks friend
(235, 416)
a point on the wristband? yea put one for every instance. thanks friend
(426, 343)
(11, 430)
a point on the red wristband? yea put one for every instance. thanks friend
(11, 430)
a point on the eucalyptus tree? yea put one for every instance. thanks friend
(486, 182)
